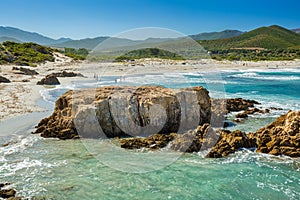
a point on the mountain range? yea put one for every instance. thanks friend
(263, 37)
(15, 34)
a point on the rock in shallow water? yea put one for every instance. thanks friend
(202, 138)
(108, 112)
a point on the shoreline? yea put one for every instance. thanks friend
(20, 98)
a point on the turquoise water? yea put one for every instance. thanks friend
(53, 169)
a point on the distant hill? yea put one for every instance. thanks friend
(89, 43)
(216, 35)
(109, 42)
(265, 37)
(25, 36)
(296, 30)
(3, 39)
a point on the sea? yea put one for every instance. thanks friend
(40, 168)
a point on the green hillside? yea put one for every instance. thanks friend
(25, 54)
(149, 53)
(272, 37)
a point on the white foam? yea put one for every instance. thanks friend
(253, 75)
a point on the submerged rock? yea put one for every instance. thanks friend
(109, 112)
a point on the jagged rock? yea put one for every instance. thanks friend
(282, 137)
(49, 80)
(202, 138)
(4, 80)
(25, 71)
(231, 142)
(67, 74)
(123, 111)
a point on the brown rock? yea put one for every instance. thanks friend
(123, 111)
(49, 80)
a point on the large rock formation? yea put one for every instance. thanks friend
(126, 111)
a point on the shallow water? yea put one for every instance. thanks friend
(56, 169)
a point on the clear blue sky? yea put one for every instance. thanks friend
(91, 18)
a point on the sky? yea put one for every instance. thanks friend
(92, 18)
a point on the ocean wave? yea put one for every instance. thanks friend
(253, 75)
(18, 144)
(279, 70)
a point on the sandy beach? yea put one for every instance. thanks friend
(19, 97)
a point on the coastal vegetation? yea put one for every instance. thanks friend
(24, 54)
(76, 54)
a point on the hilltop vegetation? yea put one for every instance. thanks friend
(76, 54)
(265, 43)
(26, 54)
(148, 53)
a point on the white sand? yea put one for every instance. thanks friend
(18, 98)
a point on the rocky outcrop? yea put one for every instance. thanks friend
(24, 71)
(281, 137)
(108, 112)
(49, 80)
(4, 80)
